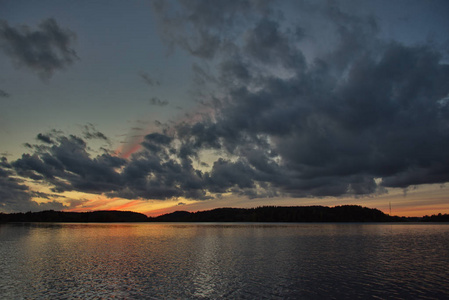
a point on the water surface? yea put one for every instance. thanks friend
(210, 261)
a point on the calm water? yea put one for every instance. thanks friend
(210, 261)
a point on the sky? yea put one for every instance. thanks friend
(157, 106)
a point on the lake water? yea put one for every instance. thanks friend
(230, 261)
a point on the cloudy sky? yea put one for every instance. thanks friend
(156, 106)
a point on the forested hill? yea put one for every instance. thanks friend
(346, 213)
(61, 216)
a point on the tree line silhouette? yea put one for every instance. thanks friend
(280, 214)
(85, 217)
(344, 213)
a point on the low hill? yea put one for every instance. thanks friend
(61, 216)
(345, 213)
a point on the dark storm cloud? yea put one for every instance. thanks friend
(268, 44)
(153, 173)
(67, 165)
(352, 118)
(364, 109)
(16, 196)
(156, 172)
(383, 120)
(226, 174)
(44, 50)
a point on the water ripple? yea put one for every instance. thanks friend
(233, 261)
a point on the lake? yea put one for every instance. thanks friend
(226, 261)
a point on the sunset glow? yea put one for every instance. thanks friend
(158, 106)
(126, 151)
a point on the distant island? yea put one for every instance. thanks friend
(104, 216)
(294, 214)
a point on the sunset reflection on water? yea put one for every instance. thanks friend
(204, 261)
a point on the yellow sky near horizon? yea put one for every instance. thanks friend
(415, 202)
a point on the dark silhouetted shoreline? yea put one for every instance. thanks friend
(296, 214)
(87, 217)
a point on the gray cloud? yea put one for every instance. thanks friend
(364, 109)
(4, 94)
(44, 138)
(383, 120)
(158, 102)
(44, 50)
(204, 28)
(148, 79)
(66, 165)
(90, 132)
(361, 115)
(15, 196)
(268, 44)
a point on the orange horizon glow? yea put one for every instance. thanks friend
(418, 211)
(412, 212)
(161, 211)
(142, 206)
(147, 207)
(106, 204)
(427, 200)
